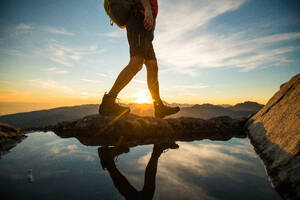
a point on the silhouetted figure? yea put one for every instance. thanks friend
(139, 21)
(107, 154)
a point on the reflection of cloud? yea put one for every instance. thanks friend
(46, 174)
(23, 27)
(204, 161)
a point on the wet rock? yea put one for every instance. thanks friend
(275, 133)
(135, 130)
(10, 136)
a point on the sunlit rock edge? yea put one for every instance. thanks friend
(10, 136)
(275, 134)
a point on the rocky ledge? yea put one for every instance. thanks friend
(275, 134)
(9, 137)
(134, 130)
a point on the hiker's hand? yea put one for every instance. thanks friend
(148, 20)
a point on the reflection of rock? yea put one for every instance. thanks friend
(9, 137)
(275, 133)
(134, 130)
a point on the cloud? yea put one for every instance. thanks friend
(63, 54)
(51, 85)
(90, 80)
(185, 43)
(23, 27)
(195, 86)
(55, 70)
(57, 31)
(105, 75)
(133, 80)
(115, 34)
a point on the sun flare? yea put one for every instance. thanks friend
(142, 96)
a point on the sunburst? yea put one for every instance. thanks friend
(142, 96)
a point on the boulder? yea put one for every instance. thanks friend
(275, 134)
(10, 136)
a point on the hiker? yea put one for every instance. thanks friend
(107, 155)
(138, 17)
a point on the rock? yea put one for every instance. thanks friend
(135, 130)
(10, 136)
(275, 134)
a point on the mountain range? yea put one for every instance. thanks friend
(53, 116)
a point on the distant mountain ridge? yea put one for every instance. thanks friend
(207, 111)
(53, 116)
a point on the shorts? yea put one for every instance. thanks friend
(139, 39)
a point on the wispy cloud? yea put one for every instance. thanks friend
(139, 81)
(64, 54)
(194, 86)
(90, 80)
(55, 70)
(23, 27)
(133, 80)
(51, 85)
(105, 75)
(186, 44)
(59, 31)
(115, 34)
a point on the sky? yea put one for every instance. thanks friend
(221, 52)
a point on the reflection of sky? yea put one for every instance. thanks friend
(64, 168)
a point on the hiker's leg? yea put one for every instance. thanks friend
(106, 156)
(152, 78)
(122, 184)
(150, 174)
(125, 76)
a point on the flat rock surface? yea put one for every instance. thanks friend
(135, 130)
(10, 136)
(275, 133)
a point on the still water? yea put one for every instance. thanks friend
(45, 166)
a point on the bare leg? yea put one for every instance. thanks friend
(125, 76)
(152, 79)
(150, 174)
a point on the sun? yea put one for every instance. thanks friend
(142, 96)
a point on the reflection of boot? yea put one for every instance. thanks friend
(107, 154)
(108, 107)
(161, 110)
(159, 148)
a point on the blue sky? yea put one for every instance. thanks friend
(225, 51)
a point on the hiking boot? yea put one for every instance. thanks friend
(160, 148)
(108, 107)
(107, 154)
(161, 110)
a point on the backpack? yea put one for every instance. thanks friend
(119, 11)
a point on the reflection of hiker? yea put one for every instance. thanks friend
(107, 155)
(138, 16)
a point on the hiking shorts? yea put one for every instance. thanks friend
(139, 39)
